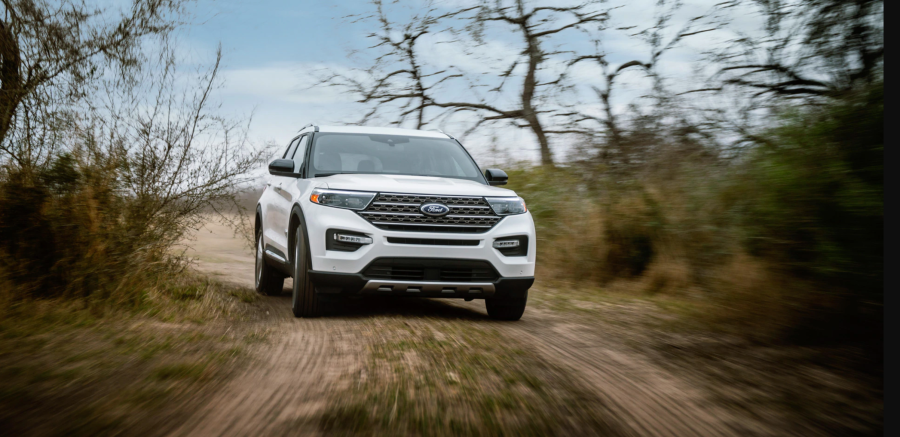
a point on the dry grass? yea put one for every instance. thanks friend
(444, 378)
(68, 367)
(825, 389)
(685, 236)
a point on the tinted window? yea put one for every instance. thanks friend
(300, 153)
(290, 150)
(391, 154)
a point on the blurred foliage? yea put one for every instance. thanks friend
(812, 199)
(63, 231)
(790, 231)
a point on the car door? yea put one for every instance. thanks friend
(288, 189)
(275, 216)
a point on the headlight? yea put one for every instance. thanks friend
(507, 205)
(341, 199)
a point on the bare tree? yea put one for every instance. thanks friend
(142, 163)
(535, 25)
(815, 48)
(174, 155)
(613, 139)
(418, 89)
(398, 74)
(51, 52)
(805, 52)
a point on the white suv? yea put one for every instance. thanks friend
(391, 212)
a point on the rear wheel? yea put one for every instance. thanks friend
(268, 280)
(506, 308)
(305, 302)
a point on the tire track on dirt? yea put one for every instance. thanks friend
(646, 399)
(283, 390)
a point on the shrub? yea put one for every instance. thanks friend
(788, 237)
(813, 196)
(110, 201)
(65, 232)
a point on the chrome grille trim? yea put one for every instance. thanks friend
(392, 213)
(393, 210)
(406, 204)
(422, 215)
(426, 224)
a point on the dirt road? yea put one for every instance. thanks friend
(305, 361)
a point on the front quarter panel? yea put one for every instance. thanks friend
(267, 203)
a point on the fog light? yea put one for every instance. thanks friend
(512, 246)
(354, 239)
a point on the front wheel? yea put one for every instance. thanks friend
(268, 281)
(506, 308)
(305, 302)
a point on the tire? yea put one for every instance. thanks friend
(268, 281)
(305, 301)
(509, 308)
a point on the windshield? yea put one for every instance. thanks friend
(391, 154)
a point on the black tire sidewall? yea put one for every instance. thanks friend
(304, 302)
(510, 309)
(296, 295)
(260, 275)
(268, 281)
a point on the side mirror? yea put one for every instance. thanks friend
(495, 176)
(282, 167)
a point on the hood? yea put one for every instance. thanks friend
(410, 185)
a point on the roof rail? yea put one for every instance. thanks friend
(311, 124)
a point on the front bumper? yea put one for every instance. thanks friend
(347, 284)
(321, 218)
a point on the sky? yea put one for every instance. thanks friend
(274, 50)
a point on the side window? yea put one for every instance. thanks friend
(290, 150)
(300, 153)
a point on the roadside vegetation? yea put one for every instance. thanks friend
(107, 162)
(110, 152)
(783, 243)
(70, 367)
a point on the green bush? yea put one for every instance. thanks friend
(798, 219)
(813, 195)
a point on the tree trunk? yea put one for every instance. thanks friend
(614, 142)
(11, 87)
(546, 156)
(528, 87)
(420, 122)
(420, 87)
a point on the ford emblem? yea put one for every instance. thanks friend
(434, 209)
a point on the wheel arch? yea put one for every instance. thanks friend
(296, 219)
(257, 222)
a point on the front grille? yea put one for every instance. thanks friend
(399, 273)
(400, 212)
(433, 270)
(467, 274)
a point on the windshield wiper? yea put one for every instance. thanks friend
(322, 175)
